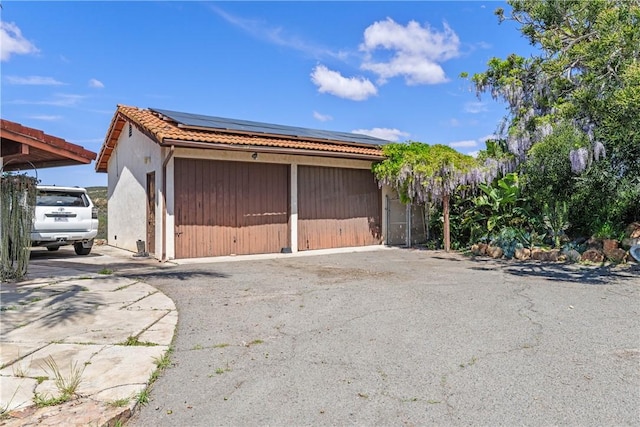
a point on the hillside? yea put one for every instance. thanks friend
(99, 197)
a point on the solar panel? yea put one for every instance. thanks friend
(211, 122)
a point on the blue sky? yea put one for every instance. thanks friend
(388, 69)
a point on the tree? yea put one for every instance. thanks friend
(430, 173)
(587, 77)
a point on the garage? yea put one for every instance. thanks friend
(337, 207)
(230, 208)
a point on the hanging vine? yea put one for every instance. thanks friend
(17, 206)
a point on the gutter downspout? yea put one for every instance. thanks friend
(164, 202)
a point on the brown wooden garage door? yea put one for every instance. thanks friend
(225, 208)
(337, 208)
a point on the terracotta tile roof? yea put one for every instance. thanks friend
(24, 148)
(166, 131)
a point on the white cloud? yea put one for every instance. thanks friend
(454, 123)
(417, 51)
(59, 100)
(276, 35)
(12, 42)
(46, 118)
(487, 137)
(33, 80)
(468, 143)
(473, 153)
(475, 107)
(95, 83)
(332, 82)
(322, 117)
(383, 133)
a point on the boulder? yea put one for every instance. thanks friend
(609, 245)
(551, 255)
(616, 255)
(594, 244)
(633, 230)
(592, 255)
(572, 255)
(522, 253)
(482, 247)
(628, 242)
(495, 251)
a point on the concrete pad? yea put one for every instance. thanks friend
(114, 325)
(12, 352)
(126, 391)
(64, 355)
(155, 301)
(115, 366)
(103, 283)
(16, 393)
(161, 332)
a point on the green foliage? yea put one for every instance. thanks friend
(422, 172)
(17, 206)
(507, 240)
(583, 89)
(556, 219)
(500, 205)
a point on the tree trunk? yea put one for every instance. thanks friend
(445, 212)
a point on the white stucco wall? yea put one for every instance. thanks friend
(133, 158)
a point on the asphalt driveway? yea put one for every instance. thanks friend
(398, 337)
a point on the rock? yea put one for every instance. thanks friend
(572, 255)
(628, 242)
(633, 230)
(609, 245)
(522, 253)
(592, 255)
(551, 255)
(594, 244)
(494, 251)
(482, 247)
(616, 255)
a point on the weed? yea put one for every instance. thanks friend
(41, 379)
(197, 347)
(105, 271)
(134, 341)
(5, 408)
(19, 370)
(219, 371)
(41, 400)
(143, 397)
(223, 345)
(119, 403)
(471, 362)
(433, 402)
(162, 363)
(254, 342)
(66, 385)
(8, 308)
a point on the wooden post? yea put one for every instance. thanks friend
(445, 211)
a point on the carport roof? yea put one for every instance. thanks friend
(24, 148)
(167, 131)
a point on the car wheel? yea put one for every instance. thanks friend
(53, 248)
(81, 250)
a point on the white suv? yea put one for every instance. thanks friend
(64, 216)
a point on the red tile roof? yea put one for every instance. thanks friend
(167, 132)
(25, 148)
